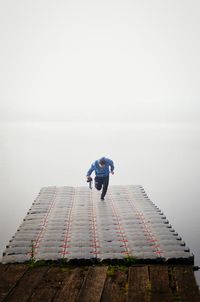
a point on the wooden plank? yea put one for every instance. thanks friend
(116, 286)
(49, 285)
(187, 289)
(93, 285)
(4, 284)
(26, 285)
(138, 284)
(3, 268)
(159, 283)
(9, 276)
(71, 285)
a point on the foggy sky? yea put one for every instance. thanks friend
(84, 79)
(135, 61)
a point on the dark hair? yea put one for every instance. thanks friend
(102, 161)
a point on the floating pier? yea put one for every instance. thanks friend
(73, 224)
(71, 245)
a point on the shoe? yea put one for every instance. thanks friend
(102, 198)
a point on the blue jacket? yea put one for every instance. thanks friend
(101, 172)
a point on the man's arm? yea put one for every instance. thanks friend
(112, 167)
(92, 168)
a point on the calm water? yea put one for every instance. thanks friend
(164, 159)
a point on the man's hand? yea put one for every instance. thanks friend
(89, 178)
(112, 172)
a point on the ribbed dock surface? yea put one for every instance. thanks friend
(73, 223)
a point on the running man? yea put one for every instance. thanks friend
(102, 167)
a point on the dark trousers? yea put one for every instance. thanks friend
(102, 181)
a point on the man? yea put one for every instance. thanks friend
(102, 168)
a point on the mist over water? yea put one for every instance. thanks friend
(163, 158)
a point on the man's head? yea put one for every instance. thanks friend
(102, 162)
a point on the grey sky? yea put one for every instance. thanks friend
(100, 60)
